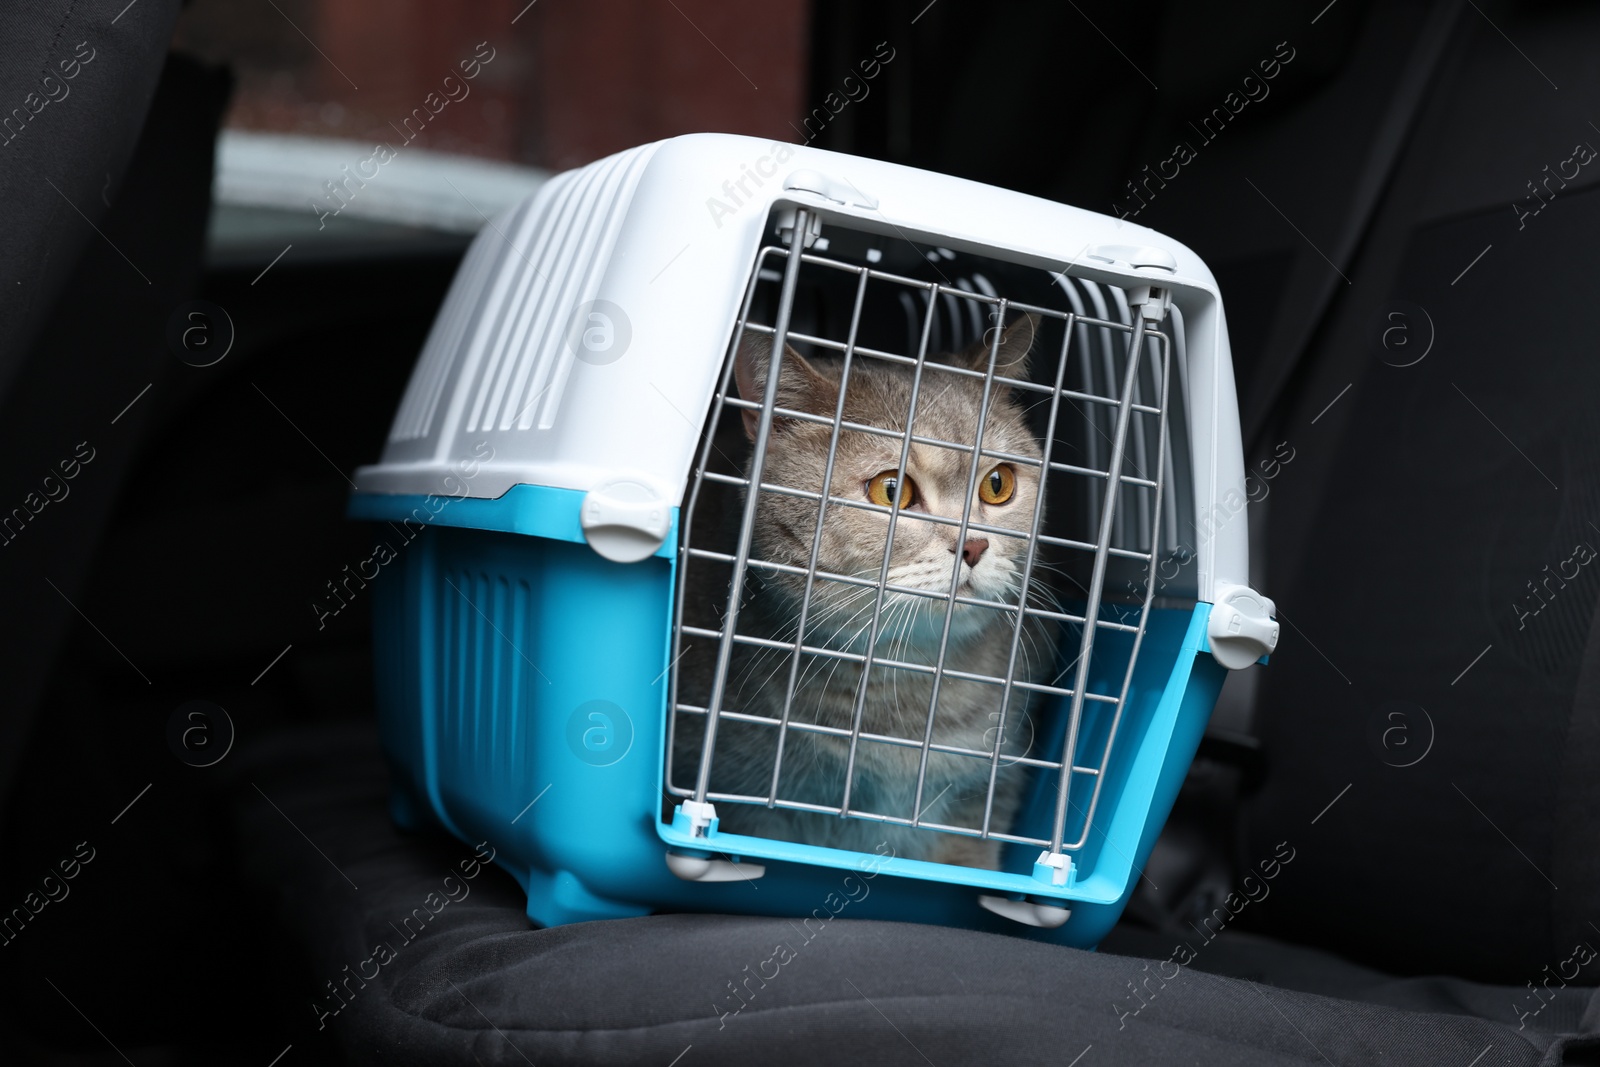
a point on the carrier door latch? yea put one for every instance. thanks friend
(1241, 629)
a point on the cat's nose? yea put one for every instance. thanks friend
(973, 550)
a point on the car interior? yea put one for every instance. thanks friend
(1387, 849)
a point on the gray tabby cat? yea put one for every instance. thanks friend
(839, 617)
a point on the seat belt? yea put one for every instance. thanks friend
(1304, 307)
(1199, 857)
(1311, 302)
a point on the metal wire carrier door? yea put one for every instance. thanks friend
(1089, 391)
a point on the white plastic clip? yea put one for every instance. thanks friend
(1241, 629)
(700, 813)
(786, 214)
(1059, 863)
(624, 521)
(706, 869)
(1151, 301)
(1027, 912)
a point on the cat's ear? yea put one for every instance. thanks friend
(1015, 342)
(801, 386)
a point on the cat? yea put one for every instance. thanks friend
(924, 556)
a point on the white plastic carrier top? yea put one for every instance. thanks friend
(584, 335)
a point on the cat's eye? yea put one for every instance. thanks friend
(883, 487)
(998, 485)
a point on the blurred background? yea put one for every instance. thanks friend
(568, 83)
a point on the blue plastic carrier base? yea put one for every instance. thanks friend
(522, 688)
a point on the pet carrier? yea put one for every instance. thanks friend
(621, 540)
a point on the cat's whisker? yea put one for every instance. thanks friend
(1041, 594)
(908, 619)
(788, 632)
(1060, 571)
(791, 631)
(819, 660)
(819, 620)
